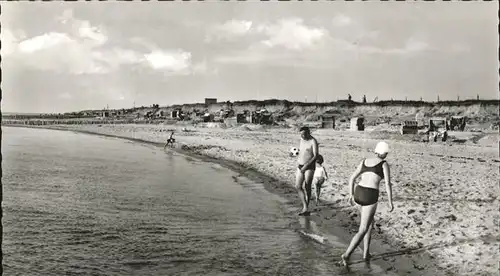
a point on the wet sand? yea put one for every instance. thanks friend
(445, 195)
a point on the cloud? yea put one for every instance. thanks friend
(116, 57)
(10, 41)
(412, 46)
(82, 29)
(341, 20)
(177, 62)
(332, 54)
(229, 30)
(60, 53)
(73, 52)
(247, 57)
(45, 41)
(288, 33)
(279, 58)
(143, 42)
(85, 30)
(169, 61)
(292, 34)
(84, 49)
(277, 43)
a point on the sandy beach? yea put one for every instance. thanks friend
(445, 194)
(235, 84)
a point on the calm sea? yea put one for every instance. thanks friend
(77, 204)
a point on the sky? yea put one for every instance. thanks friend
(63, 56)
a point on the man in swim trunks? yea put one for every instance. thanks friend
(308, 152)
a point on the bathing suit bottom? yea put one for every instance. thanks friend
(365, 196)
(310, 167)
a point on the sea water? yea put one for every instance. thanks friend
(77, 204)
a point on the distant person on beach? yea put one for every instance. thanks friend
(365, 194)
(320, 176)
(308, 152)
(170, 140)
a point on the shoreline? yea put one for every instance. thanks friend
(342, 224)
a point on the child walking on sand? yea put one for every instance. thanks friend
(320, 176)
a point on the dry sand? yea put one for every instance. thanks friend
(445, 194)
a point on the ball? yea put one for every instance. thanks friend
(294, 151)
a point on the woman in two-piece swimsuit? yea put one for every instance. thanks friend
(366, 193)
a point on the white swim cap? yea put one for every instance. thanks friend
(382, 148)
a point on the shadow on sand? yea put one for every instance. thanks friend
(416, 250)
(448, 199)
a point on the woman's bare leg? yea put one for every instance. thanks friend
(367, 214)
(366, 242)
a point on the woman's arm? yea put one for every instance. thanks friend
(353, 177)
(388, 184)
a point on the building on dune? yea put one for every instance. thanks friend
(209, 101)
(327, 121)
(357, 124)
